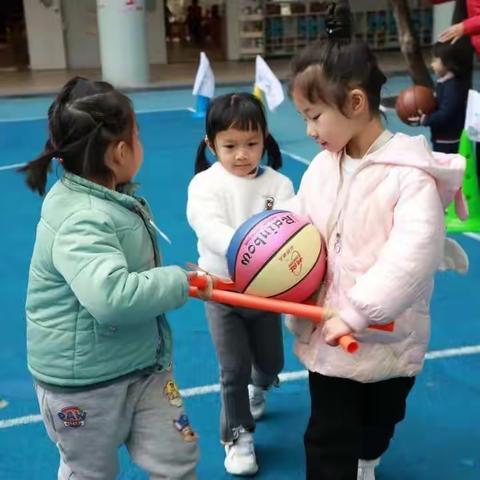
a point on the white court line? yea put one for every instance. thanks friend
(22, 119)
(298, 158)
(189, 109)
(16, 422)
(475, 236)
(44, 117)
(453, 352)
(18, 165)
(12, 167)
(284, 377)
(386, 109)
(291, 155)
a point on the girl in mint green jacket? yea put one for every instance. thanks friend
(99, 346)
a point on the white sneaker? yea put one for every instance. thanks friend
(366, 469)
(257, 397)
(240, 455)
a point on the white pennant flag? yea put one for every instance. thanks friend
(270, 85)
(472, 117)
(205, 80)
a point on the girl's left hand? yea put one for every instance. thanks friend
(333, 329)
(452, 33)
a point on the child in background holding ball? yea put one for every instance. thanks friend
(447, 121)
(378, 200)
(221, 197)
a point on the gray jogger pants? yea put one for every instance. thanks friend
(249, 348)
(144, 413)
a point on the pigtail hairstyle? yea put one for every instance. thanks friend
(274, 155)
(83, 121)
(242, 111)
(201, 162)
(37, 170)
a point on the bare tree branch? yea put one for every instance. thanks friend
(409, 44)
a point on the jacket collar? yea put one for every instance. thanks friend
(124, 195)
(378, 143)
(444, 78)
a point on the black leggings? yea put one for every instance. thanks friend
(445, 147)
(351, 420)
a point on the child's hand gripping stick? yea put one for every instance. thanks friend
(222, 293)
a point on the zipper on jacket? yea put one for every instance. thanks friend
(148, 221)
(157, 260)
(338, 243)
(338, 227)
(338, 224)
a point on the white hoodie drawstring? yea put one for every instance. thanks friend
(163, 235)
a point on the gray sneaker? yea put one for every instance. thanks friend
(257, 397)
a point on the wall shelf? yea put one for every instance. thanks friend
(276, 28)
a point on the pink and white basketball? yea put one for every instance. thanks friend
(277, 254)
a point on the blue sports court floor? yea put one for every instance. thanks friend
(440, 440)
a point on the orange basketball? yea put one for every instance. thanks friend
(413, 99)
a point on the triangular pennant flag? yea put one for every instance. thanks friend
(205, 80)
(472, 116)
(270, 85)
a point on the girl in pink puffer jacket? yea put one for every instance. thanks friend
(378, 199)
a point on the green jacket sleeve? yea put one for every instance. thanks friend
(88, 254)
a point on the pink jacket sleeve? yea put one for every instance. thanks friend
(408, 259)
(471, 26)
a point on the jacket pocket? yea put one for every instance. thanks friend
(401, 330)
(46, 413)
(302, 328)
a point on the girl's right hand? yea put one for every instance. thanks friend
(204, 293)
(333, 329)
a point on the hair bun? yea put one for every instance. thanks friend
(338, 23)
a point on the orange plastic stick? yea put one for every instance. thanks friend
(386, 327)
(220, 283)
(198, 280)
(313, 312)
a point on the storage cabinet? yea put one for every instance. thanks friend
(281, 28)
